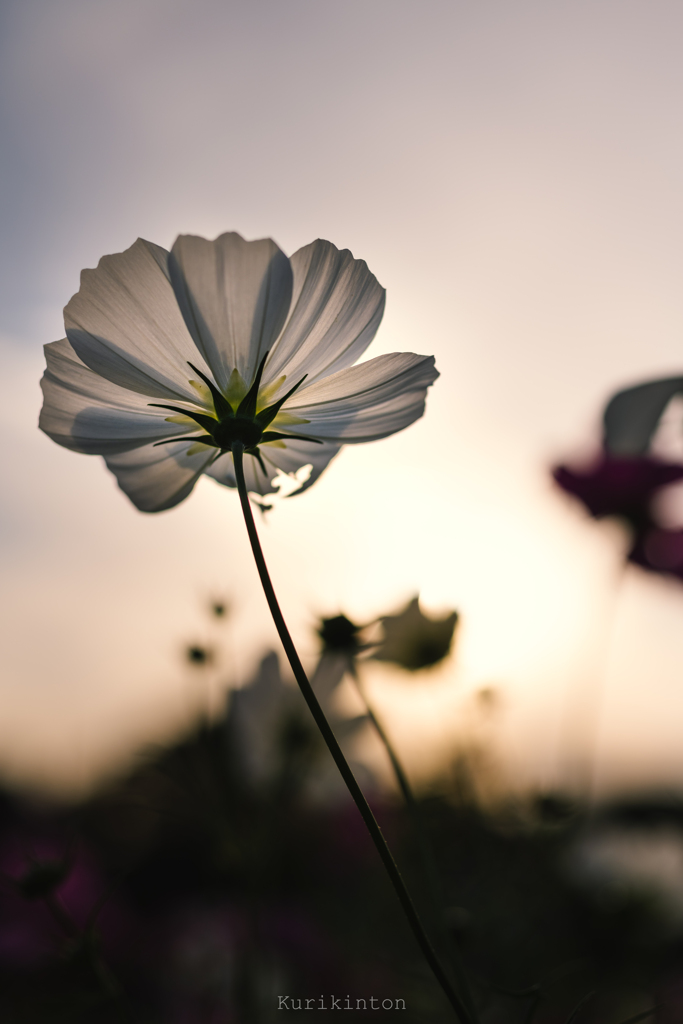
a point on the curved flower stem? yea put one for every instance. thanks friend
(424, 847)
(336, 752)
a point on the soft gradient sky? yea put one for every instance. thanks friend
(512, 173)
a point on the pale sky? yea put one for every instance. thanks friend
(512, 175)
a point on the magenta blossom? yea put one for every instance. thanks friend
(625, 487)
(616, 486)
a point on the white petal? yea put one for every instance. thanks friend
(158, 478)
(337, 305)
(223, 470)
(124, 323)
(234, 296)
(86, 413)
(298, 454)
(366, 402)
(294, 457)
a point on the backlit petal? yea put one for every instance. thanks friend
(297, 454)
(86, 413)
(159, 478)
(234, 296)
(258, 482)
(337, 305)
(124, 323)
(366, 402)
(289, 459)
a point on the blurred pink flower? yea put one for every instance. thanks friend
(659, 550)
(618, 486)
(624, 487)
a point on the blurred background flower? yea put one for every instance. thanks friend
(275, 736)
(413, 640)
(621, 487)
(628, 489)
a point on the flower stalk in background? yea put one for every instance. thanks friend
(251, 354)
(410, 639)
(413, 641)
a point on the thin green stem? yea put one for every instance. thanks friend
(336, 752)
(424, 848)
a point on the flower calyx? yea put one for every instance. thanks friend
(339, 635)
(244, 425)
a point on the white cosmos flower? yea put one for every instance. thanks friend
(170, 357)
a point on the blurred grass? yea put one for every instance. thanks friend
(190, 891)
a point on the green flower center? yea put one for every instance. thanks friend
(243, 425)
(246, 429)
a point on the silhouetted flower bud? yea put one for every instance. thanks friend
(340, 634)
(198, 655)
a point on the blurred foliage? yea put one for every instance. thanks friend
(230, 869)
(194, 890)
